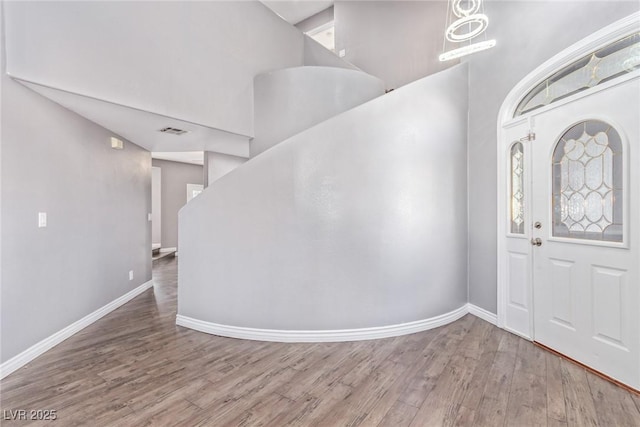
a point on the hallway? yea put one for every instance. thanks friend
(134, 367)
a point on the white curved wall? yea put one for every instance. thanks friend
(359, 222)
(291, 100)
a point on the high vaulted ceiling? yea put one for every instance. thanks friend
(294, 11)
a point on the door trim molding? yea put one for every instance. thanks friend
(601, 38)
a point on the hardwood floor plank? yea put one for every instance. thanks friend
(464, 417)
(355, 407)
(614, 405)
(478, 382)
(492, 407)
(309, 410)
(435, 358)
(528, 394)
(403, 382)
(556, 408)
(443, 402)
(527, 400)
(581, 409)
(636, 399)
(530, 358)
(135, 367)
(399, 415)
(555, 423)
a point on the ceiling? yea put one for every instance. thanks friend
(142, 127)
(294, 11)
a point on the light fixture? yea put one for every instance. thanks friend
(116, 143)
(469, 21)
(467, 50)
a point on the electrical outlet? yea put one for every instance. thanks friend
(342, 53)
(42, 219)
(131, 275)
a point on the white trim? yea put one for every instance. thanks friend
(335, 335)
(482, 314)
(518, 333)
(46, 344)
(599, 39)
(165, 250)
(569, 99)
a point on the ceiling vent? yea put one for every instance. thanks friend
(173, 131)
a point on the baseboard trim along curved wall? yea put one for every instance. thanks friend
(338, 335)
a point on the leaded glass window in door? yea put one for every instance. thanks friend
(517, 188)
(587, 183)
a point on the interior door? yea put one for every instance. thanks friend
(585, 192)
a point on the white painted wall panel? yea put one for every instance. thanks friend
(316, 54)
(217, 165)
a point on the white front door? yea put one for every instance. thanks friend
(585, 164)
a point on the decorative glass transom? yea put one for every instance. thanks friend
(587, 183)
(517, 188)
(618, 58)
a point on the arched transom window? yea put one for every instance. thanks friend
(615, 60)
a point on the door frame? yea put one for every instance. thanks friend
(506, 120)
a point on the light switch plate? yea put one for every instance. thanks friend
(42, 219)
(130, 274)
(149, 217)
(342, 53)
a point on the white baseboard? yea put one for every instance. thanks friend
(164, 250)
(338, 335)
(37, 349)
(482, 313)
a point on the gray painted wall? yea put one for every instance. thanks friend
(97, 200)
(550, 27)
(316, 54)
(316, 20)
(217, 165)
(175, 177)
(357, 222)
(291, 100)
(397, 41)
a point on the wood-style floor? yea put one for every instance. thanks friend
(135, 367)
